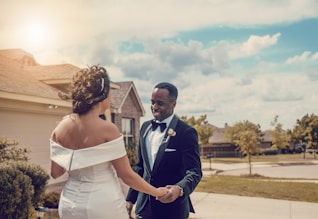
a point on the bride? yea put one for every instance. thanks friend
(92, 151)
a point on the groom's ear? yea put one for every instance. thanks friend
(174, 103)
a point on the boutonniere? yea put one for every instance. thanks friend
(171, 133)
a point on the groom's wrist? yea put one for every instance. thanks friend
(181, 191)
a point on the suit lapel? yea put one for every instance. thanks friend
(164, 143)
(144, 148)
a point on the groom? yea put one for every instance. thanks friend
(168, 155)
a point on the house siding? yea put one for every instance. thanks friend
(129, 110)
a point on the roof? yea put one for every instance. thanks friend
(52, 72)
(218, 135)
(119, 96)
(19, 56)
(20, 74)
(14, 79)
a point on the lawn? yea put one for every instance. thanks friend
(259, 186)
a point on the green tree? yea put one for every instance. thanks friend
(306, 131)
(9, 150)
(205, 131)
(279, 135)
(247, 136)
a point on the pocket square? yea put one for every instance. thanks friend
(169, 150)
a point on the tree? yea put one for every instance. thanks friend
(247, 136)
(10, 151)
(205, 131)
(279, 135)
(306, 131)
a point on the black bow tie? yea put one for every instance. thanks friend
(156, 124)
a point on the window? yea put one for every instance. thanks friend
(127, 129)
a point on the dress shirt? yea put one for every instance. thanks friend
(154, 139)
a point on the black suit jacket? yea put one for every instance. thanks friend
(177, 162)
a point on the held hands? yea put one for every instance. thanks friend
(129, 207)
(172, 194)
(161, 191)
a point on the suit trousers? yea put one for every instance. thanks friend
(146, 212)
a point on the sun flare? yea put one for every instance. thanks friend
(36, 34)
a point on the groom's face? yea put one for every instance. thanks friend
(161, 105)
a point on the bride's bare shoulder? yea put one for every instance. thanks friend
(110, 130)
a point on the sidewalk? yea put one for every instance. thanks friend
(219, 206)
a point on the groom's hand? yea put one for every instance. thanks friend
(171, 196)
(129, 207)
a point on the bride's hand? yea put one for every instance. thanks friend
(161, 191)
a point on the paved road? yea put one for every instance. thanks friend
(283, 170)
(219, 206)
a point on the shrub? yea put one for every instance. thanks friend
(38, 175)
(51, 200)
(16, 193)
(132, 154)
(10, 151)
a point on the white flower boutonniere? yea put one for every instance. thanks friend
(171, 132)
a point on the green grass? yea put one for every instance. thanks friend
(259, 186)
(296, 158)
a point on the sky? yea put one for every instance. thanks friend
(231, 60)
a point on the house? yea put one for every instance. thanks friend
(219, 147)
(30, 106)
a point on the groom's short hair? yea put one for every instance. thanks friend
(173, 91)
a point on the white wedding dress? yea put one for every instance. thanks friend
(93, 189)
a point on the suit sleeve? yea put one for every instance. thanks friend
(191, 161)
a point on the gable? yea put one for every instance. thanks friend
(120, 96)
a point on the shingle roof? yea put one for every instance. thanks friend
(218, 135)
(16, 54)
(55, 72)
(119, 95)
(20, 74)
(14, 79)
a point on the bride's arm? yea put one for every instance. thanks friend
(56, 170)
(132, 179)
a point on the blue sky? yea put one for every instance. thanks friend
(231, 60)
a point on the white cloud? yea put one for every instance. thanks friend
(315, 56)
(299, 58)
(254, 45)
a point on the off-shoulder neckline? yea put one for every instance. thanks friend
(95, 146)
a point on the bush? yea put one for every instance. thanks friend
(132, 154)
(16, 193)
(38, 175)
(9, 150)
(22, 185)
(51, 200)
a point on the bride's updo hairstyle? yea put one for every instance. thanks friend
(90, 86)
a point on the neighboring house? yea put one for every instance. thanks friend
(218, 147)
(126, 110)
(30, 107)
